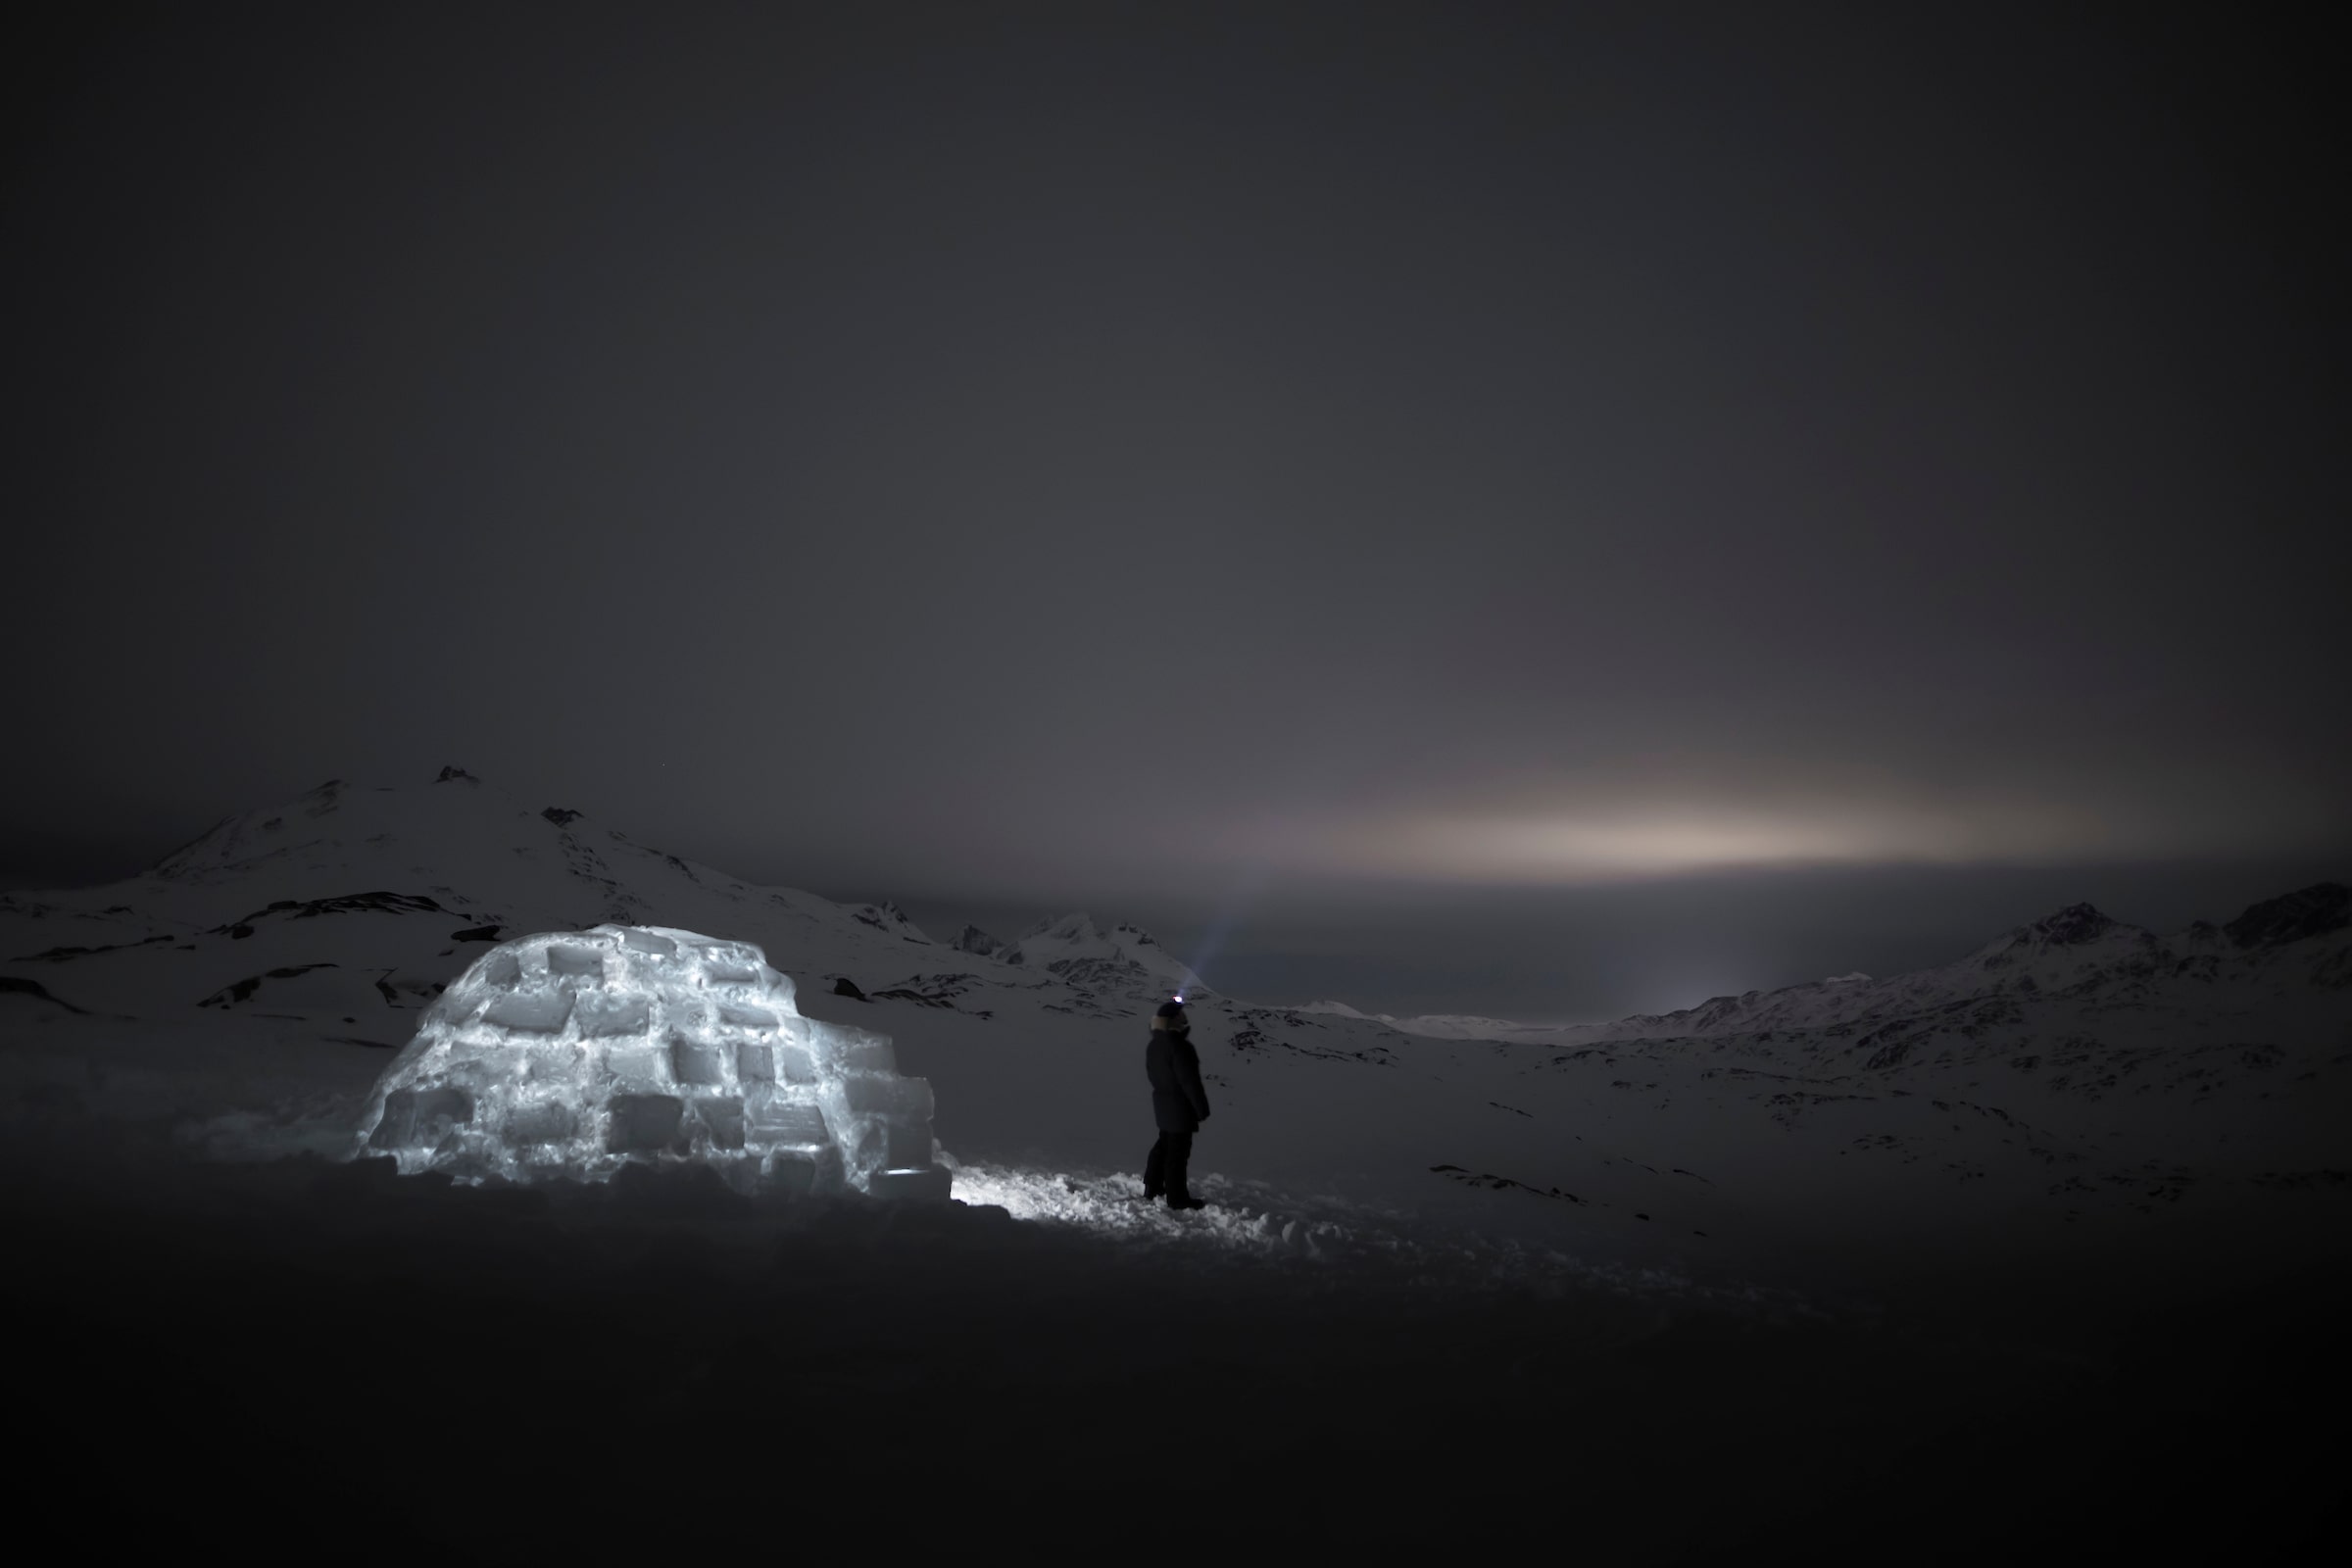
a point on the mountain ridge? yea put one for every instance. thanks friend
(461, 850)
(2072, 1066)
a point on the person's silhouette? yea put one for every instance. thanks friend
(1178, 1101)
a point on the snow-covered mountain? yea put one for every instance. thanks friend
(2076, 1067)
(2284, 953)
(459, 861)
(1124, 958)
(349, 899)
(972, 940)
(1439, 1025)
(2074, 1007)
(2302, 940)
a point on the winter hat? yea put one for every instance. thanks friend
(1171, 1016)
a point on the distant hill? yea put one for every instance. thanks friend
(2075, 1067)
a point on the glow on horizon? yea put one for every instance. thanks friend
(1663, 845)
(1628, 843)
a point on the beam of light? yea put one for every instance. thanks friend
(1238, 897)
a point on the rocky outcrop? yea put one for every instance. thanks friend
(971, 939)
(2317, 911)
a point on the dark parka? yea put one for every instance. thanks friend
(1178, 1099)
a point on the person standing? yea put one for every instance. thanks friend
(1178, 1101)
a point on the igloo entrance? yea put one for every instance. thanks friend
(569, 1055)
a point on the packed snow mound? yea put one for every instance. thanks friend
(569, 1055)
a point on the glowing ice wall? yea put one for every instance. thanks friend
(566, 1055)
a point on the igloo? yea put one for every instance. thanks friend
(569, 1055)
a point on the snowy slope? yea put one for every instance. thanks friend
(1124, 958)
(2285, 945)
(367, 889)
(2075, 1068)
(1439, 1025)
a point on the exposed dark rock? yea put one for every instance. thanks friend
(843, 986)
(2302, 1180)
(379, 901)
(971, 939)
(475, 933)
(454, 775)
(2073, 925)
(1100, 974)
(236, 990)
(57, 955)
(1493, 1183)
(2312, 911)
(561, 816)
(903, 994)
(10, 986)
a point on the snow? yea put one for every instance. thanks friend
(971, 939)
(1075, 948)
(1793, 1274)
(2135, 1079)
(566, 1055)
(1437, 1026)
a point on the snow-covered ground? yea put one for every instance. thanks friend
(1784, 1264)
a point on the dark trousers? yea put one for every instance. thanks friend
(1165, 1171)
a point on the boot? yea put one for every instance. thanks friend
(1185, 1201)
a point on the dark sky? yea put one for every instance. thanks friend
(1718, 492)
